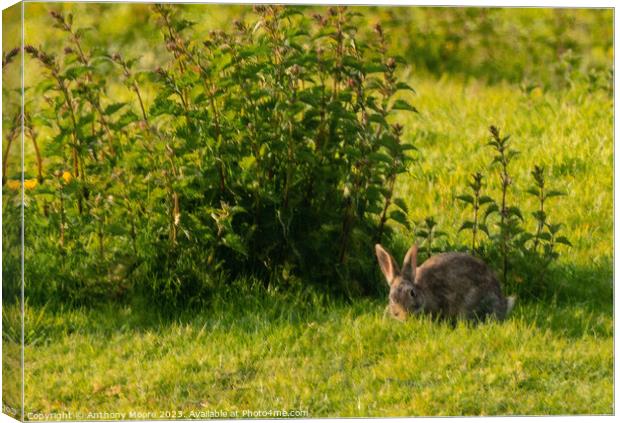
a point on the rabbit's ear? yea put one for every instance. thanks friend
(387, 263)
(410, 263)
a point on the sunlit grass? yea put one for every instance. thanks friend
(571, 133)
(275, 351)
(336, 361)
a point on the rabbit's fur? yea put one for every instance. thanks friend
(448, 285)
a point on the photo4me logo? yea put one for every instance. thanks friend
(246, 413)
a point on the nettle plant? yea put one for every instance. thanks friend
(76, 210)
(476, 201)
(510, 216)
(541, 245)
(271, 149)
(427, 234)
(503, 222)
(282, 132)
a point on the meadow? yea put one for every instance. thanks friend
(307, 339)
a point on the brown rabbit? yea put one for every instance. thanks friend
(448, 285)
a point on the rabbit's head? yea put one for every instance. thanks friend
(405, 296)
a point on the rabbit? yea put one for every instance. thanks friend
(447, 286)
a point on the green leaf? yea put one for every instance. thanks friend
(374, 67)
(377, 118)
(86, 119)
(351, 15)
(200, 98)
(514, 211)
(290, 11)
(466, 225)
(534, 191)
(554, 193)
(404, 86)
(484, 199)
(511, 154)
(493, 208)
(401, 104)
(407, 147)
(163, 105)
(466, 198)
(352, 62)
(247, 162)
(563, 240)
(76, 71)
(401, 204)
(373, 194)
(181, 24)
(352, 152)
(390, 142)
(126, 119)
(79, 33)
(430, 222)
(113, 108)
(45, 85)
(399, 217)
(400, 59)
(421, 233)
(116, 229)
(526, 236)
(324, 32)
(545, 236)
(380, 157)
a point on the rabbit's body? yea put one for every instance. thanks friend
(460, 285)
(448, 285)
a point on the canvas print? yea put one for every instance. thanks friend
(217, 211)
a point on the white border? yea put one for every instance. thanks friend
(483, 3)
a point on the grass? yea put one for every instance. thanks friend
(330, 359)
(570, 132)
(266, 351)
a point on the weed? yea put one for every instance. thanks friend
(427, 231)
(510, 216)
(475, 201)
(266, 148)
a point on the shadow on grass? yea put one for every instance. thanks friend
(245, 309)
(577, 301)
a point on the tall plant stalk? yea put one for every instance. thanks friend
(508, 215)
(11, 135)
(476, 200)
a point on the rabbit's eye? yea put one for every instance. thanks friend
(412, 293)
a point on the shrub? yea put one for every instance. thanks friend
(270, 150)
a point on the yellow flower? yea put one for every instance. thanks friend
(13, 184)
(537, 92)
(66, 176)
(30, 183)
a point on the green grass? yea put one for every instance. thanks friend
(571, 133)
(266, 351)
(331, 360)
